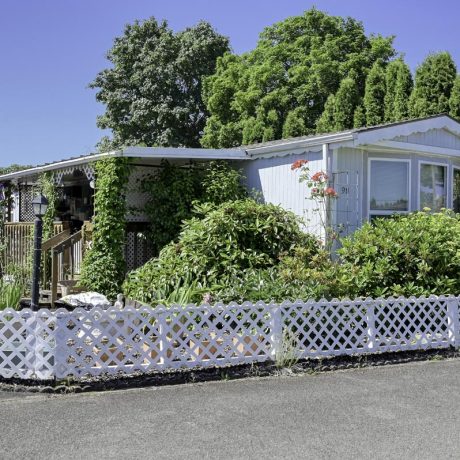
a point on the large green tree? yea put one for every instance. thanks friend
(280, 88)
(152, 90)
(434, 80)
(399, 86)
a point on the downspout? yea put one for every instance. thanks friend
(327, 157)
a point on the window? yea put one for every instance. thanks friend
(433, 186)
(388, 187)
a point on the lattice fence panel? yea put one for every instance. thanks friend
(327, 328)
(27, 344)
(409, 324)
(83, 343)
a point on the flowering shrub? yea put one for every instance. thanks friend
(321, 193)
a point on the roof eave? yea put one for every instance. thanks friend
(302, 143)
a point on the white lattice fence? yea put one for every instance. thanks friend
(82, 343)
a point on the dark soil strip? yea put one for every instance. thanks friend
(177, 377)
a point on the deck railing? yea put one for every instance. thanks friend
(18, 238)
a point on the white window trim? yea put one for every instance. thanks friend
(371, 212)
(449, 199)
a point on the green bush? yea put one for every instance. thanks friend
(232, 243)
(417, 254)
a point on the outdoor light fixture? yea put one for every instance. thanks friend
(40, 205)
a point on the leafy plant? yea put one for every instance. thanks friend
(10, 294)
(287, 354)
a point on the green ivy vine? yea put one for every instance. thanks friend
(48, 189)
(103, 268)
(175, 190)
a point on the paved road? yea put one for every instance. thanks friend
(405, 411)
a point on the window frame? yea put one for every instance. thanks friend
(371, 213)
(449, 197)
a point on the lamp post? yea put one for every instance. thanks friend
(40, 205)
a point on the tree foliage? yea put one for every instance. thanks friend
(281, 87)
(434, 80)
(454, 101)
(152, 91)
(399, 84)
(374, 94)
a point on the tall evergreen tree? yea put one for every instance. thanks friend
(374, 94)
(398, 80)
(346, 101)
(359, 118)
(454, 101)
(403, 89)
(326, 123)
(434, 80)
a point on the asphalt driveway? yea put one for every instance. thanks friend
(403, 411)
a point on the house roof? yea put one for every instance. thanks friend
(359, 137)
(158, 153)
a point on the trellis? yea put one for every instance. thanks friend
(58, 344)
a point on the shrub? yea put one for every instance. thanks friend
(417, 254)
(231, 243)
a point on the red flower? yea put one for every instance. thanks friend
(298, 164)
(320, 176)
(330, 192)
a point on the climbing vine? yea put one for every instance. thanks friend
(48, 189)
(103, 268)
(174, 190)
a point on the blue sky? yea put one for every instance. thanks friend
(51, 49)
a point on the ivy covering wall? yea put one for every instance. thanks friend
(48, 189)
(103, 268)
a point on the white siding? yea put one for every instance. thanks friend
(279, 185)
(433, 137)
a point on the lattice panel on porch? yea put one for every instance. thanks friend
(136, 199)
(138, 249)
(26, 195)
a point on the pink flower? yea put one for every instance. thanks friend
(298, 164)
(330, 192)
(319, 176)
